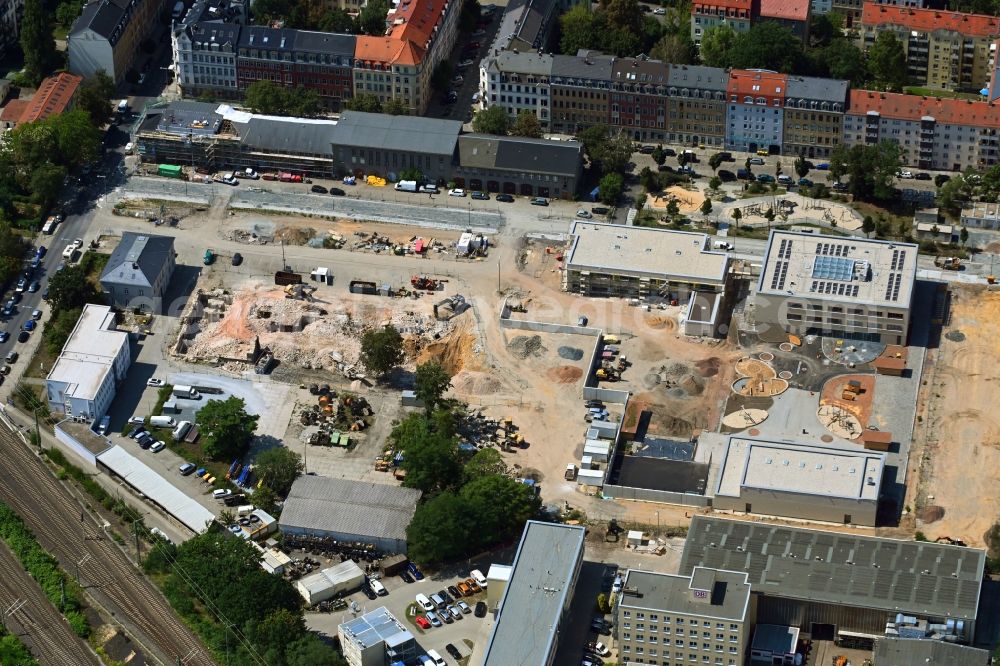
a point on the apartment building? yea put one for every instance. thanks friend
(107, 35)
(947, 50)
(518, 82)
(205, 59)
(755, 114)
(526, 25)
(814, 115)
(856, 288)
(704, 617)
(932, 133)
(707, 14)
(638, 103)
(696, 106)
(579, 88)
(10, 23)
(793, 14)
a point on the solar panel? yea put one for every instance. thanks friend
(833, 268)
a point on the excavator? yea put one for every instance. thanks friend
(300, 291)
(424, 282)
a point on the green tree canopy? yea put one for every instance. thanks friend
(430, 383)
(706, 207)
(844, 60)
(767, 45)
(69, 289)
(371, 20)
(659, 155)
(336, 20)
(801, 166)
(57, 330)
(37, 43)
(278, 467)
(675, 48)
(526, 124)
(395, 107)
(46, 183)
(269, 98)
(484, 463)
(364, 102)
(716, 43)
(887, 62)
(95, 97)
(226, 428)
(610, 188)
(492, 120)
(381, 350)
(576, 30)
(430, 454)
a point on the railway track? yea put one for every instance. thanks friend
(69, 533)
(49, 636)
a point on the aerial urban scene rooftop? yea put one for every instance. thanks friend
(534, 333)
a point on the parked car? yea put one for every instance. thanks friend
(158, 446)
(34, 286)
(405, 575)
(758, 161)
(823, 166)
(805, 182)
(599, 210)
(414, 571)
(318, 189)
(457, 80)
(337, 192)
(464, 607)
(237, 259)
(4, 336)
(601, 649)
(725, 175)
(422, 622)
(506, 198)
(585, 214)
(434, 619)
(11, 357)
(839, 187)
(153, 381)
(8, 308)
(539, 201)
(221, 493)
(473, 585)
(445, 596)
(186, 469)
(454, 592)
(481, 196)
(464, 64)
(22, 284)
(922, 175)
(369, 592)
(464, 590)
(478, 576)
(453, 651)
(456, 192)
(765, 178)
(23, 336)
(905, 174)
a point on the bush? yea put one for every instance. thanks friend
(602, 603)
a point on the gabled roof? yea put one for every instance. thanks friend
(101, 16)
(271, 39)
(915, 107)
(52, 97)
(138, 259)
(215, 32)
(811, 87)
(286, 137)
(402, 133)
(788, 10)
(511, 153)
(308, 41)
(593, 66)
(929, 20)
(382, 50)
(529, 62)
(698, 76)
(758, 83)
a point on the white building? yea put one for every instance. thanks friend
(375, 639)
(518, 82)
(346, 576)
(93, 361)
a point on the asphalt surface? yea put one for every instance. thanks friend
(36, 621)
(73, 536)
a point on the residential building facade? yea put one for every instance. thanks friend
(850, 10)
(579, 90)
(516, 165)
(205, 59)
(10, 23)
(932, 133)
(518, 82)
(946, 50)
(95, 358)
(138, 272)
(705, 617)
(707, 14)
(792, 14)
(696, 107)
(755, 114)
(107, 34)
(814, 116)
(638, 100)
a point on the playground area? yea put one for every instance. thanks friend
(791, 208)
(688, 201)
(758, 378)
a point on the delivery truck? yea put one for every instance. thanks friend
(406, 186)
(182, 391)
(162, 421)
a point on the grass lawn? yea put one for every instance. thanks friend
(900, 221)
(945, 94)
(59, 33)
(41, 363)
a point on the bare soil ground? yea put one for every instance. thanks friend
(960, 459)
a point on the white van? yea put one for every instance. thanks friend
(436, 658)
(722, 245)
(181, 430)
(244, 510)
(424, 602)
(478, 576)
(162, 421)
(377, 587)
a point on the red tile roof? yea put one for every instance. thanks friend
(758, 83)
(790, 10)
(914, 107)
(52, 98)
(929, 20)
(702, 6)
(411, 29)
(14, 110)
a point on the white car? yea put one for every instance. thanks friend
(478, 576)
(158, 446)
(659, 11)
(221, 493)
(602, 649)
(69, 251)
(249, 173)
(128, 148)
(78, 243)
(585, 214)
(153, 381)
(230, 179)
(905, 174)
(465, 63)
(456, 192)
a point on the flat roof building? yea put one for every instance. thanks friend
(344, 510)
(799, 480)
(375, 639)
(538, 595)
(854, 288)
(914, 651)
(654, 608)
(95, 358)
(842, 584)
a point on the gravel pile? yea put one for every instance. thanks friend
(570, 353)
(524, 346)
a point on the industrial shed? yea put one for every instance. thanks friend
(343, 510)
(326, 584)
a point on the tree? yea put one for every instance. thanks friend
(526, 124)
(266, 97)
(37, 43)
(396, 107)
(676, 48)
(706, 207)
(265, 499)
(498, 507)
(887, 61)
(278, 467)
(868, 225)
(66, 13)
(431, 382)
(777, 168)
(484, 462)
(57, 330)
(838, 161)
(430, 452)
(716, 44)
(303, 102)
(69, 289)
(46, 183)
(623, 14)
(963, 236)
(492, 120)
(844, 60)
(364, 102)
(952, 194)
(438, 530)
(714, 183)
(801, 166)
(683, 157)
(673, 209)
(715, 161)
(577, 30)
(649, 180)
(372, 18)
(659, 155)
(336, 20)
(616, 153)
(610, 188)
(226, 428)
(737, 216)
(78, 140)
(767, 45)
(769, 215)
(95, 96)
(382, 350)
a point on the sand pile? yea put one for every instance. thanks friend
(708, 367)
(475, 383)
(676, 370)
(564, 374)
(524, 346)
(691, 385)
(930, 514)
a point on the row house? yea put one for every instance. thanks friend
(580, 90)
(638, 101)
(518, 82)
(696, 107)
(792, 14)
(932, 133)
(107, 34)
(946, 50)
(755, 113)
(707, 14)
(814, 116)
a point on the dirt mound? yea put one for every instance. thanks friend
(564, 374)
(524, 346)
(691, 384)
(708, 367)
(455, 353)
(955, 335)
(651, 380)
(661, 322)
(930, 514)
(294, 235)
(676, 370)
(475, 383)
(570, 353)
